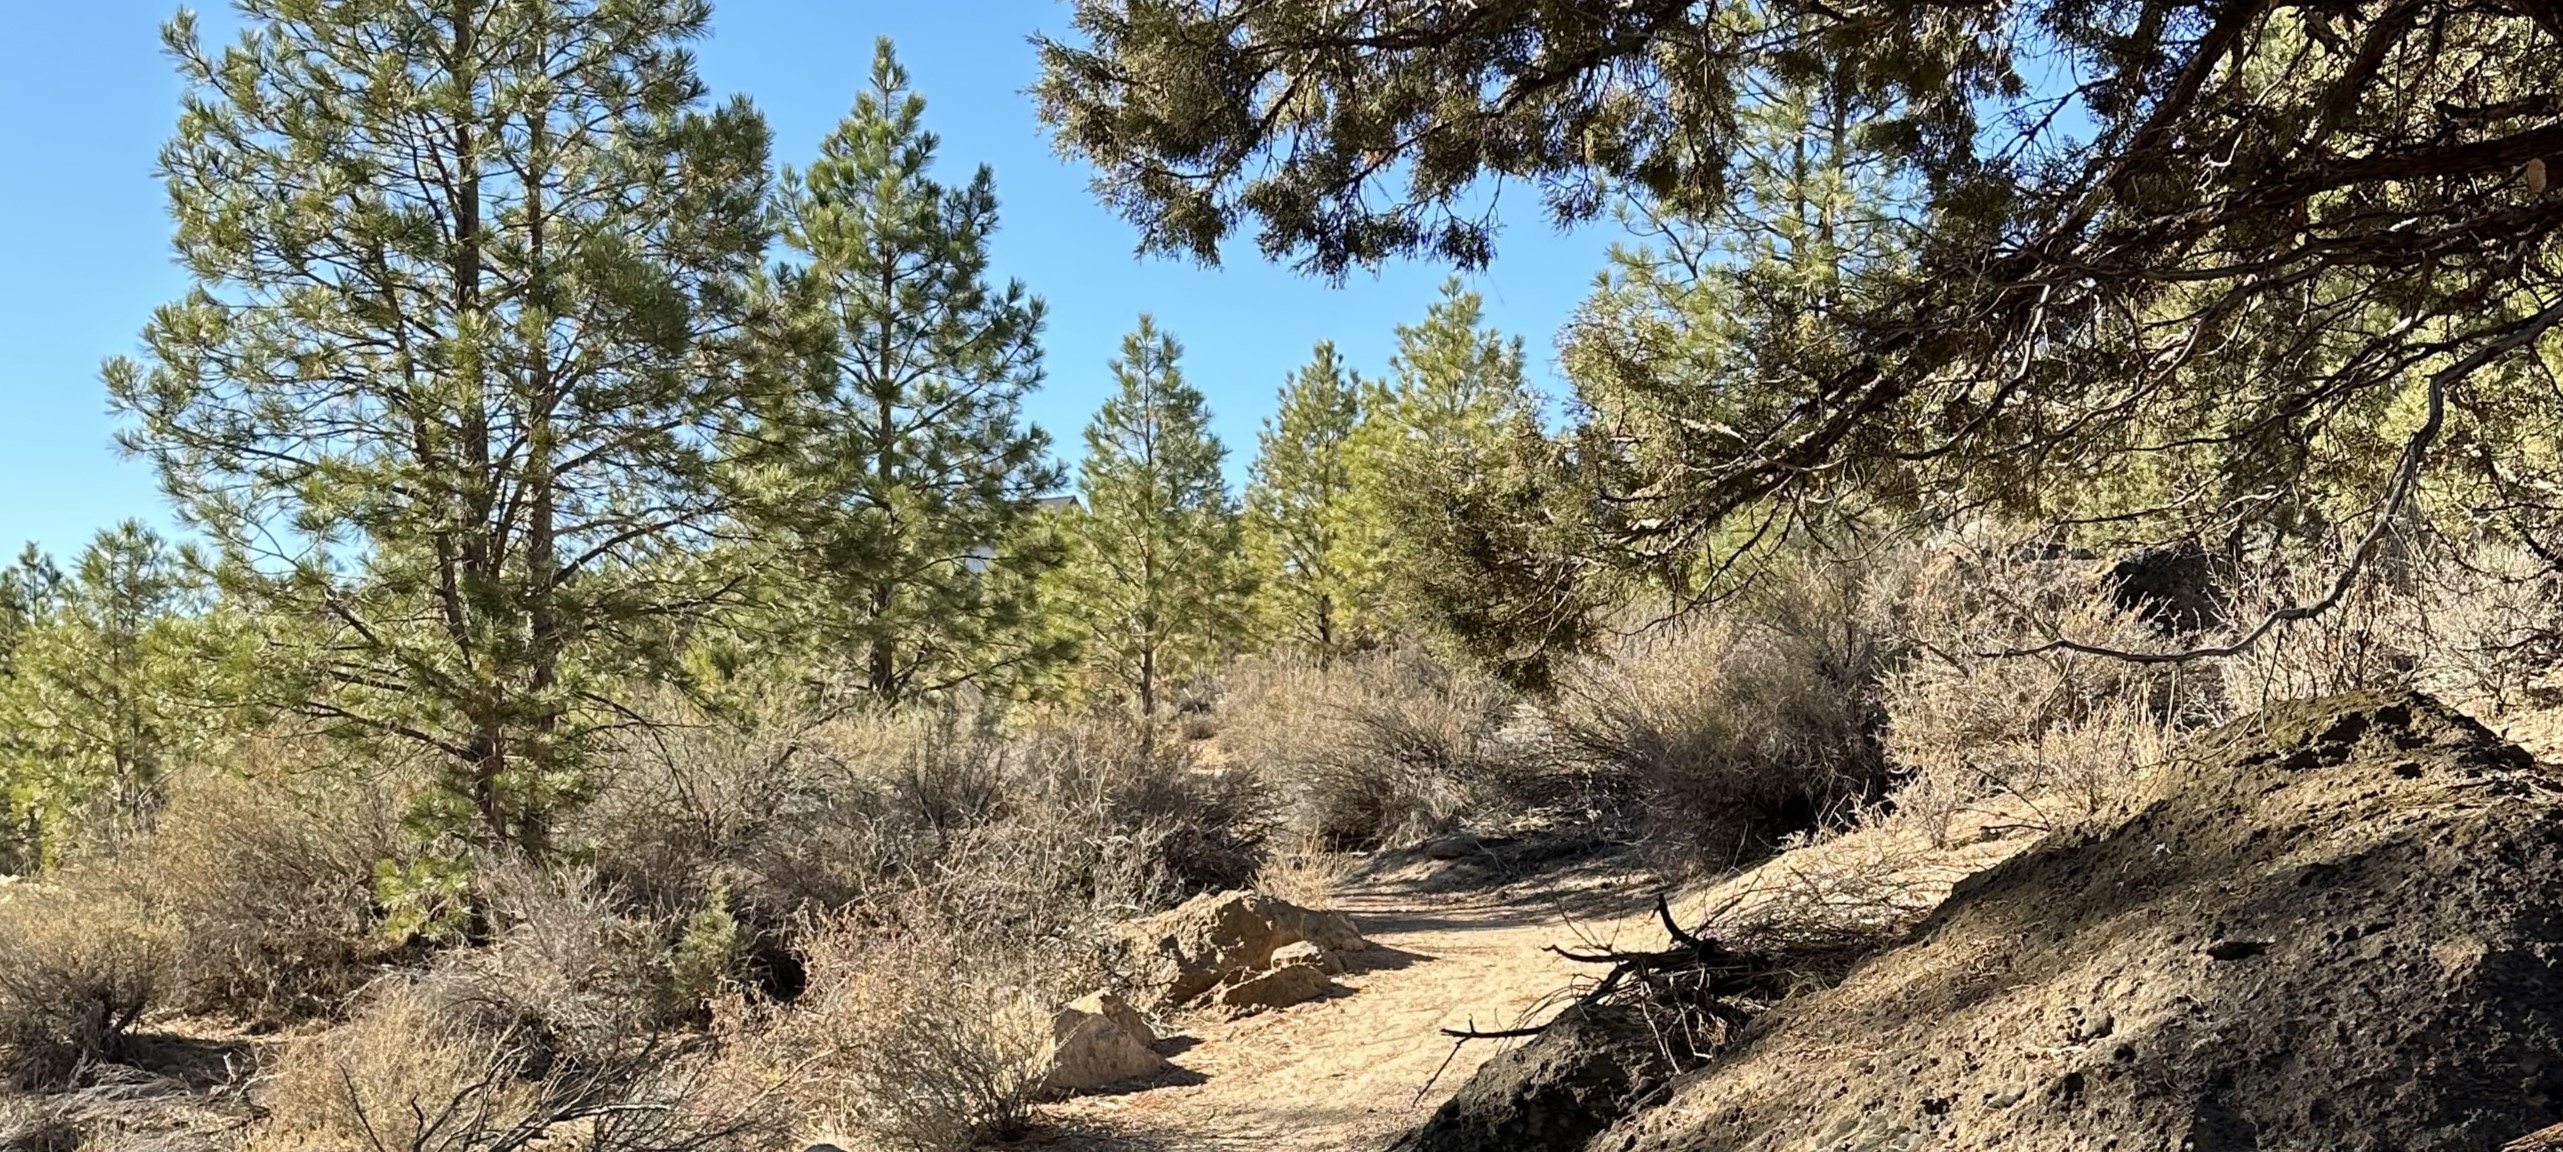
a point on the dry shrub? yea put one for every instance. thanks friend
(798, 814)
(919, 1033)
(2476, 624)
(406, 1074)
(78, 968)
(271, 879)
(33, 1124)
(1742, 723)
(1984, 708)
(1372, 750)
(1306, 873)
(566, 976)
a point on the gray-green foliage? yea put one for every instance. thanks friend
(466, 313)
(1299, 500)
(1153, 586)
(903, 480)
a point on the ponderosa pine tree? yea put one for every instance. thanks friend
(101, 694)
(2298, 263)
(906, 477)
(1710, 323)
(1298, 502)
(467, 313)
(1154, 584)
(1446, 413)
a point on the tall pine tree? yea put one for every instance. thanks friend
(466, 314)
(1446, 415)
(1154, 583)
(908, 476)
(1298, 499)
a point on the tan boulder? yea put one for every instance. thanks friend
(1088, 1051)
(1121, 1012)
(1279, 988)
(1225, 936)
(1309, 954)
(1332, 931)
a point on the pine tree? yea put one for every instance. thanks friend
(1446, 413)
(1298, 498)
(467, 314)
(99, 698)
(1154, 583)
(1729, 320)
(908, 476)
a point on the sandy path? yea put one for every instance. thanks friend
(1344, 1074)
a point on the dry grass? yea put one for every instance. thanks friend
(271, 880)
(801, 814)
(1741, 724)
(923, 1034)
(566, 976)
(1306, 873)
(2477, 625)
(406, 1074)
(2067, 731)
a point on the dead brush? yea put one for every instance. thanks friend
(1985, 709)
(1734, 727)
(920, 1033)
(269, 875)
(1370, 751)
(566, 975)
(79, 967)
(405, 1075)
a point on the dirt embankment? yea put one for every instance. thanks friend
(2337, 926)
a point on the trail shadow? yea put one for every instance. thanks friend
(1381, 958)
(1174, 1076)
(198, 1062)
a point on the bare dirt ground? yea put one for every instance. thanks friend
(1454, 944)
(1464, 943)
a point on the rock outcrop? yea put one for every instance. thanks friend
(1553, 1094)
(1230, 938)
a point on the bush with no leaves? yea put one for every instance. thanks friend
(78, 969)
(570, 979)
(921, 1034)
(1984, 708)
(801, 814)
(403, 1074)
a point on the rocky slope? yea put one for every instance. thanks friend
(2336, 925)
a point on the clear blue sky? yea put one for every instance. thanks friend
(84, 233)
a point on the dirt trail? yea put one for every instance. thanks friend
(1345, 1073)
